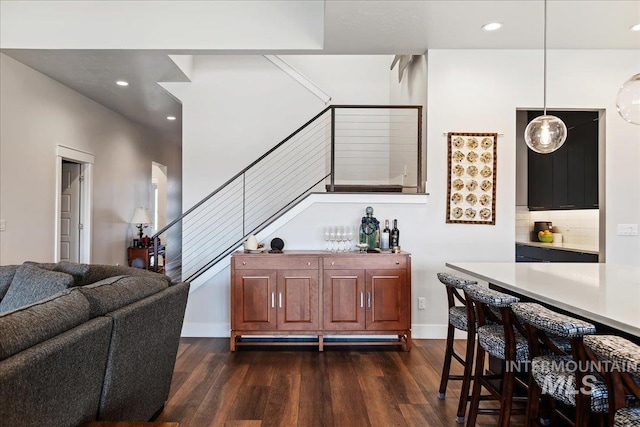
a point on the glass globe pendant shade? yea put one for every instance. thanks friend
(545, 134)
(628, 100)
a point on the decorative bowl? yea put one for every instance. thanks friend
(546, 238)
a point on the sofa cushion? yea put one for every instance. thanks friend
(6, 276)
(35, 323)
(78, 271)
(99, 272)
(114, 292)
(31, 284)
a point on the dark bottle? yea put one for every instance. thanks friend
(395, 235)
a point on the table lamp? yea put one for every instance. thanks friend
(141, 218)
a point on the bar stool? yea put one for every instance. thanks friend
(502, 337)
(457, 320)
(622, 373)
(558, 370)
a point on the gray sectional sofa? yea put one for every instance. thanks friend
(82, 342)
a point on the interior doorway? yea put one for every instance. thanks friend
(74, 172)
(159, 196)
(70, 224)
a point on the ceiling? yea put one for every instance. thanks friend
(350, 27)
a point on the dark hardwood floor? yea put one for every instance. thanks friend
(301, 387)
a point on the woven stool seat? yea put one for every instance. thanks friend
(556, 377)
(627, 417)
(551, 322)
(491, 338)
(618, 350)
(455, 281)
(458, 318)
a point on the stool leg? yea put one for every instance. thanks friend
(477, 387)
(533, 402)
(444, 378)
(467, 375)
(506, 398)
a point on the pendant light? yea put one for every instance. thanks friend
(628, 100)
(546, 133)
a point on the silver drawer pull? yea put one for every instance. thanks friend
(361, 299)
(273, 300)
(332, 263)
(280, 299)
(369, 299)
(397, 262)
(308, 263)
(244, 263)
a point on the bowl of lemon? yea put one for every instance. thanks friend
(545, 236)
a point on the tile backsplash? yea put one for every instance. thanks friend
(576, 226)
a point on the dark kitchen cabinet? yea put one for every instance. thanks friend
(568, 177)
(526, 253)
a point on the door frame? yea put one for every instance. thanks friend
(86, 161)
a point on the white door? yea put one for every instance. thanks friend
(70, 212)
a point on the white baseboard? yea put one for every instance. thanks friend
(205, 330)
(213, 330)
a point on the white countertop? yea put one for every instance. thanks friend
(605, 293)
(574, 247)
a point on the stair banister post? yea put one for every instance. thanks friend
(421, 186)
(333, 148)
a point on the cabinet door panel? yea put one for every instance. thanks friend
(344, 299)
(387, 299)
(255, 300)
(298, 300)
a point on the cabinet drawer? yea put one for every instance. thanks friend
(275, 261)
(369, 261)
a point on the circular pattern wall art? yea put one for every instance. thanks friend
(471, 184)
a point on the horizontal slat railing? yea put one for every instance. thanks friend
(341, 145)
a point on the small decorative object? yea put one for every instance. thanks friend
(545, 236)
(146, 241)
(369, 228)
(363, 247)
(252, 243)
(471, 199)
(136, 243)
(277, 244)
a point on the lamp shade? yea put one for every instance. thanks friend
(628, 100)
(545, 134)
(141, 216)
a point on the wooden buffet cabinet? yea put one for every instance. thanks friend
(321, 294)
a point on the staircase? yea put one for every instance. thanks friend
(351, 148)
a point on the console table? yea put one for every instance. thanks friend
(141, 257)
(322, 295)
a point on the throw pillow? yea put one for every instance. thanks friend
(6, 276)
(78, 271)
(31, 284)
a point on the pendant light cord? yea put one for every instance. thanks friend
(544, 61)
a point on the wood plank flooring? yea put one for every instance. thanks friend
(340, 387)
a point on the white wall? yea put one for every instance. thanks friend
(237, 107)
(38, 114)
(480, 90)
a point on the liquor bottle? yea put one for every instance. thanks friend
(384, 237)
(395, 235)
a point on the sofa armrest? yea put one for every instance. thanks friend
(144, 344)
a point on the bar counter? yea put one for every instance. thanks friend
(607, 294)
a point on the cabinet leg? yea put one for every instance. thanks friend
(232, 341)
(407, 345)
(320, 343)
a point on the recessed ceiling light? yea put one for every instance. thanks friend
(635, 27)
(492, 26)
(122, 83)
(171, 117)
